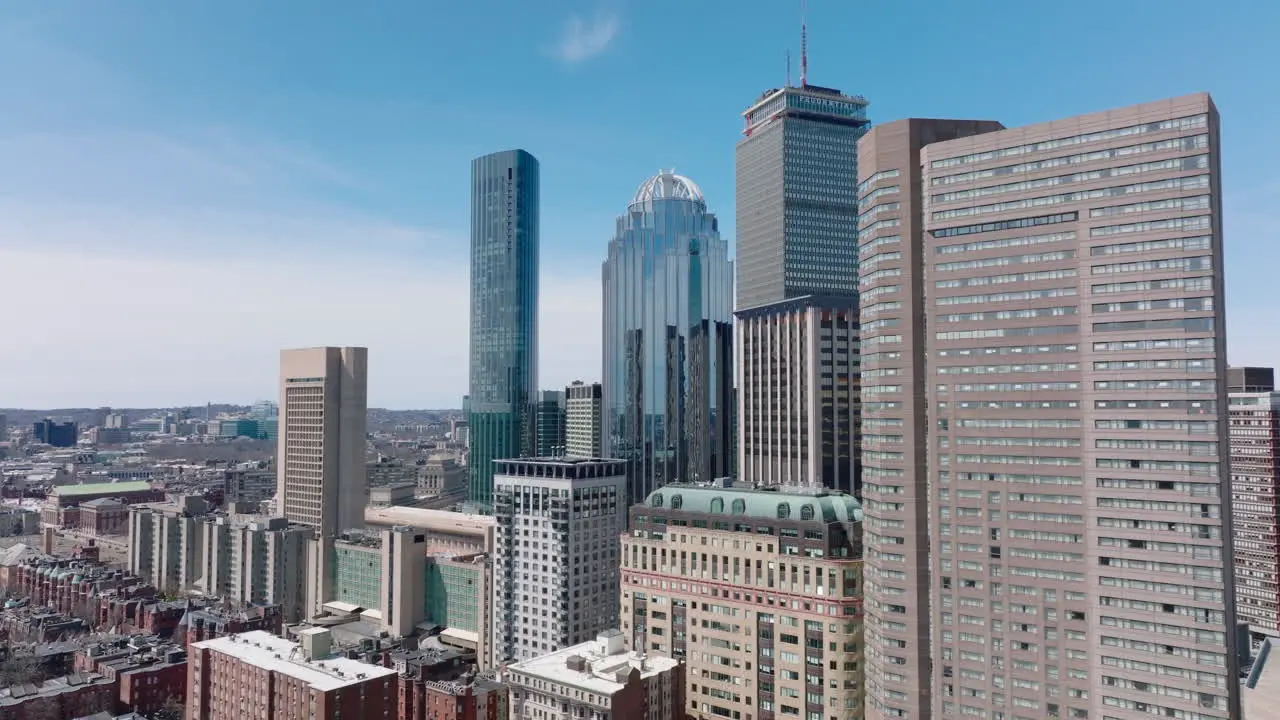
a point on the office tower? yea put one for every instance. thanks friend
(550, 417)
(258, 676)
(57, 434)
(798, 421)
(583, 404)
(320, 455)
(555, 568)
(1255, 496)
(796, 213)
(758, 591)
(895, 423)
(668, 295)
(321, 481)
(597, 679)
(1073, 365)
(504, 314)
(1251, 379)
(4, 428)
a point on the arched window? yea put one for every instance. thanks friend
(739, 507)
(717, 505)
(806, 512)
(676, 502)
(656, 500)
(784, 511)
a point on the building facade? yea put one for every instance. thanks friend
(798, 412)
(796, 212)
(597, 679)
(258, 676)
(1255, 497)
(256, 561)
(320, 458)
(759, 592)
(165, 543)
(1074, 370)
(668, 333)
(583, 404)
(555, 565)
(504, 314)
(551, 423)
(895, 478)
(57, 434)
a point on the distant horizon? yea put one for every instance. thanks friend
(172, 214)
(125, 408)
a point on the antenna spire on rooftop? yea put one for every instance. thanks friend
(804, 46)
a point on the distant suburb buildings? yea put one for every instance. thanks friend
(1054, 291)
(668, 338)
(504, 314)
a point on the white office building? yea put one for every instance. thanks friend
(556, 557)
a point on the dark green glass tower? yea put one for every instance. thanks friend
(504, 314)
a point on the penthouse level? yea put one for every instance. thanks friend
(566, 468)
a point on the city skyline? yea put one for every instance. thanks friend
(131, 187)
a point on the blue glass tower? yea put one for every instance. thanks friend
(668, 344)
(504, 314)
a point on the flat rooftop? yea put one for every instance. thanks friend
(102, 488)
(264, 650)
(600, 667)
(427, 519)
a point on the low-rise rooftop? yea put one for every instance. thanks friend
(598, 666)
(103, 488)
(268, 652)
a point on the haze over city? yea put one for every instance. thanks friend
(186, 190)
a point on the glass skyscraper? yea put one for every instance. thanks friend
(668, 342)
(504, 314)
(797, 212)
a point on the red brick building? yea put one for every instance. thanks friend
(148, 672)
(104, 516)
(467, 698)
(72, 696)
(73, 587)
(210, 623)
(258, 676)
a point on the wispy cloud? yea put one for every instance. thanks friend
(583, 39)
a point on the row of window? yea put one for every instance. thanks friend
(1192, 142)
(1196, 182)
(1181, 124)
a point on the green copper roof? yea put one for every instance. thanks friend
(781, 504)
(101, 488)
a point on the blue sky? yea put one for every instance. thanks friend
(185, 188)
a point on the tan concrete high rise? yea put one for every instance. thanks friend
(321, 451)
(1072, 358)
(320, 458)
